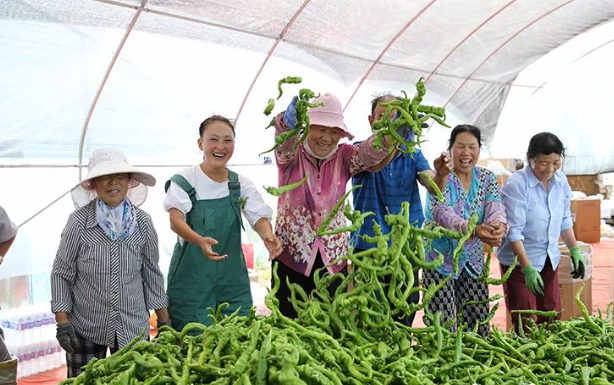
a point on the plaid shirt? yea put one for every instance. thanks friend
(383, 192)
(106, 286)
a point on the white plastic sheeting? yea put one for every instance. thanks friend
(575, 101)
(184, 59)
(140, 75)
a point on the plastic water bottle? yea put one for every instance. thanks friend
(17, 353)
(25, 322)
(37, 325)
(55, 359)
(23, 366)
(33, 348)
(41, 356)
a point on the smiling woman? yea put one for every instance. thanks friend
(106, 277)
(112, 189)
(205, 204)
(470, 191)
(537, 199)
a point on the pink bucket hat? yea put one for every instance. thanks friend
(330, 114)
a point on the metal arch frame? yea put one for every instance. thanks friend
(386, 48)
(266, 60)
(297, 43)
(90, 113)
(503, 45)
(476, 29)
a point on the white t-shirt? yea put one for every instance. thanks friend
(206, 188)
(8, 229)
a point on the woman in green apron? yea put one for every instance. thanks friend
(205, 204)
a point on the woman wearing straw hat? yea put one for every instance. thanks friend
(105, 277)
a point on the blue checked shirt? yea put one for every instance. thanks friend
(383, 192)
(535, 216)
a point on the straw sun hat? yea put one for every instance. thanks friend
(107, 162)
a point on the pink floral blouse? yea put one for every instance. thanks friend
(300, 211)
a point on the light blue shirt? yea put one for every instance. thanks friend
(535, 216)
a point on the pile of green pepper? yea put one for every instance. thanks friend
(353, 339)
(351, 336)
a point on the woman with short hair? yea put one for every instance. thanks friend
(537, 202)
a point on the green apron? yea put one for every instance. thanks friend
(195, 282)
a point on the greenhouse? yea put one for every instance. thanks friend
(93, 90)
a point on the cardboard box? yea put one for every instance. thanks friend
(586, 217)
(568, 301)
(569, 286)
(588, 184)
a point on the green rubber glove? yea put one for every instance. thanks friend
(533, 280)
(579, 264)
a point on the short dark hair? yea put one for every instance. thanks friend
(545, 143)
(215, 118)
(378, 99)
(473, 130)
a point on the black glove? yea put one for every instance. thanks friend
(66, 336)
(159, 324)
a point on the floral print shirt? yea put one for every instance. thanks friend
(483, 199)
(301, 211)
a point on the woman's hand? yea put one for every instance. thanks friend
(273, 245)
(486, 235)
(206, 244)
(500, 230)
(443, 165)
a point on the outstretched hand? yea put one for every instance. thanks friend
(206, 244)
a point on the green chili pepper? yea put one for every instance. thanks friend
(281, 138)
(288, 80)
(461, 242)
(261, 374)
(433, 185)
(326, 222)
(284, 189)
(269, 107)
(546, 314)
(505, 277)
(271, 123)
